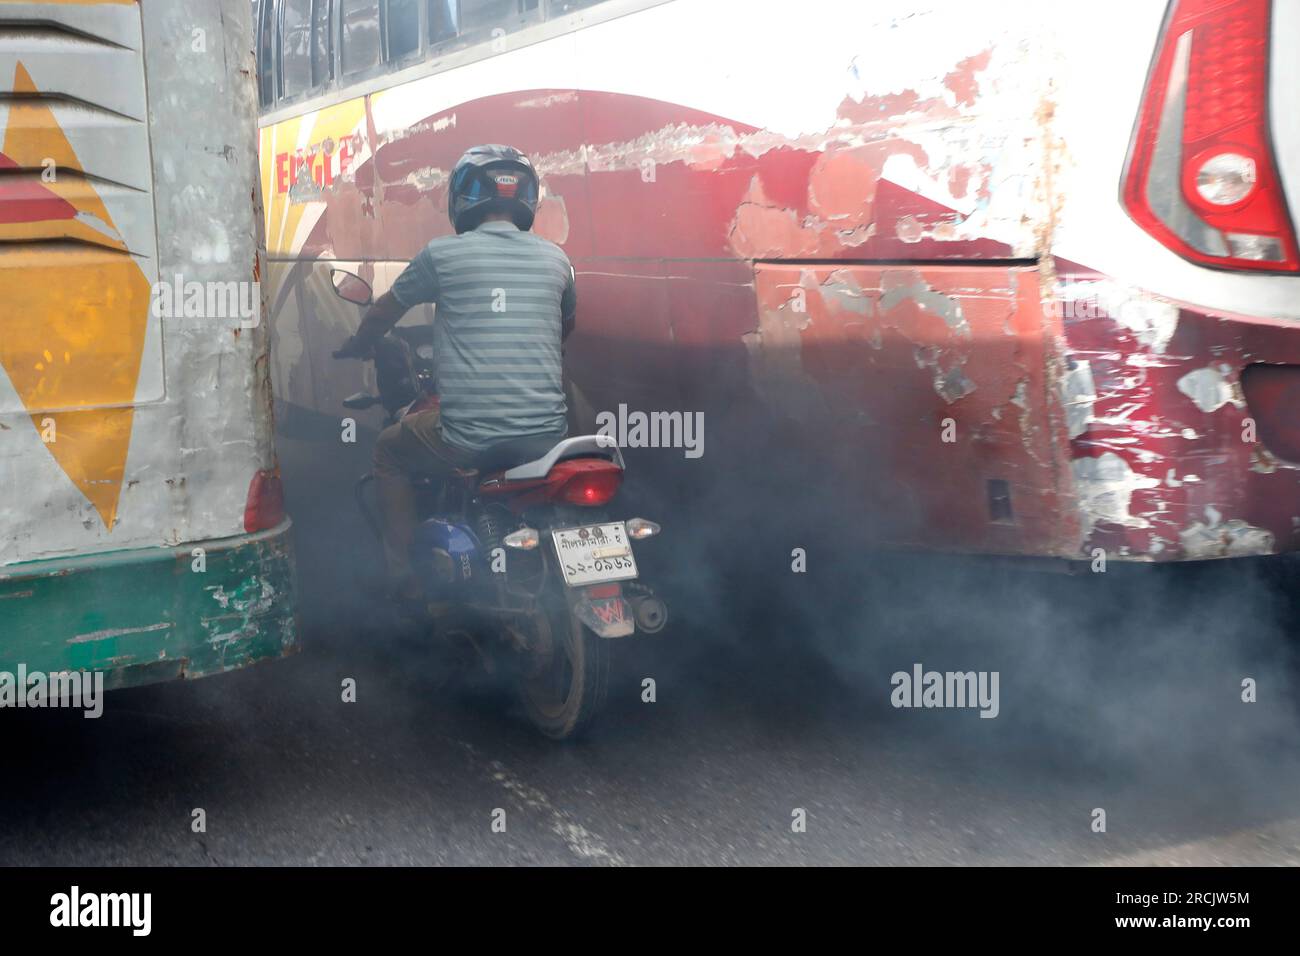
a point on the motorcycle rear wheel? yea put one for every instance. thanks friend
(568, 689)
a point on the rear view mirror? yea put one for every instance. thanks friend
(351, 287)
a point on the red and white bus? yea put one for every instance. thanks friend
(1031, 268)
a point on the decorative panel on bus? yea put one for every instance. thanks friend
(78, 243)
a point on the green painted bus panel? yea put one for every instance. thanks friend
(155, 614)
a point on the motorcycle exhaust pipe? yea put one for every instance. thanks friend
(649, 612)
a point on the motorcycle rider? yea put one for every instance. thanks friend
(504, 302)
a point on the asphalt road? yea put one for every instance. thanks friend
(1119, 692)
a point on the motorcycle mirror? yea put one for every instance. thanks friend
(360, 401)
(351, 287)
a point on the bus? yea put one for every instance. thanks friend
(142, 532)
(1015, 279)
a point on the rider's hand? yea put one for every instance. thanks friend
(353, 348)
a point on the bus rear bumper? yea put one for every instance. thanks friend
(1182, 436)
(156, 614)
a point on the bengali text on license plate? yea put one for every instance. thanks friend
(596, 553)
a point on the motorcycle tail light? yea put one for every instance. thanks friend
(265, 505)
(588, 482)
(1202, 176)
(593, 487)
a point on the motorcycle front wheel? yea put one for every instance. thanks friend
(566, 686)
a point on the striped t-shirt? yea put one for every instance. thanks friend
(504, 300)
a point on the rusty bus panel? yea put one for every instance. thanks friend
(939, 377)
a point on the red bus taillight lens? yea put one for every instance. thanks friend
(265, 506)
(1202, 176)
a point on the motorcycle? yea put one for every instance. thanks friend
(520, 555)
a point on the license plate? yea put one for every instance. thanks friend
(595, 554)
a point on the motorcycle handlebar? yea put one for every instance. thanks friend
(350, 352)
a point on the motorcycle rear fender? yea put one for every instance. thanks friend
(608, 615)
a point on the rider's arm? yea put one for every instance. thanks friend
(417, 284)
(568, 307)
(379, 319)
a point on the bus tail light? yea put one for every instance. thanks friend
(265, 507)
(1202, 176)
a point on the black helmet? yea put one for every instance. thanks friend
(492, 179)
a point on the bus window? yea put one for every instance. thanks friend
(266, 53)
(402, 28)
(484, 16)
(295, 47)
(322, 49)
(361, 49)
(558, 8)
(444, 21)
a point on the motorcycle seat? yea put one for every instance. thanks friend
(498, 458)
(516, 451)
(536, 467)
